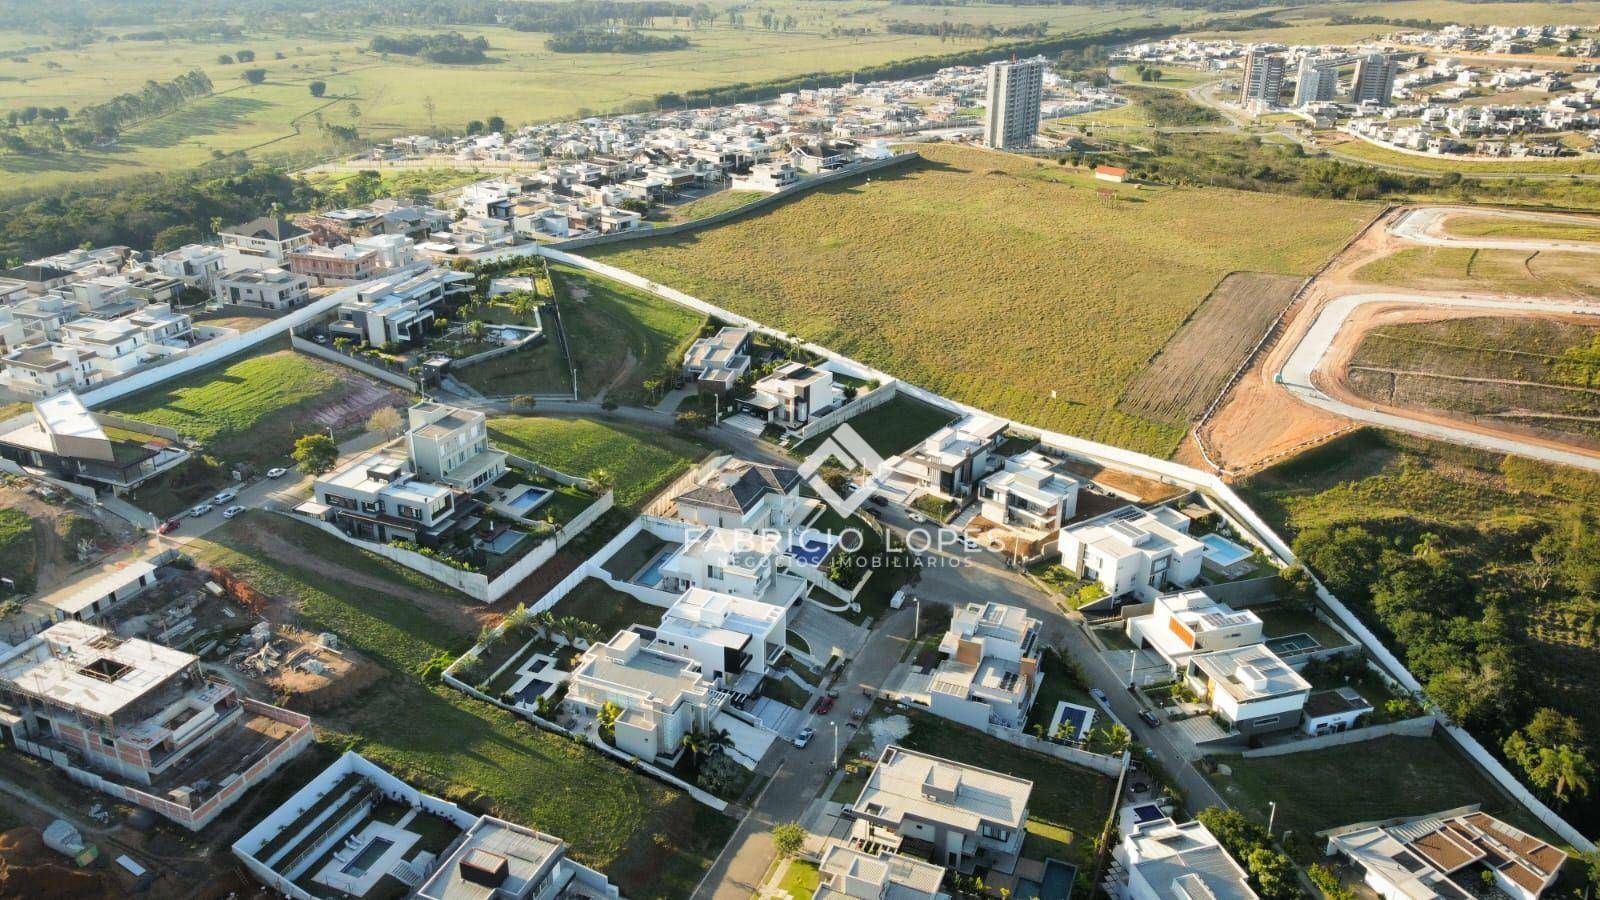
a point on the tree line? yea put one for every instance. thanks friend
(588, 15)
(33, 129)
(628, 40)
(451, 48)
(968, 30)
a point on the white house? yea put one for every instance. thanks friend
(1433, 856)
(791, 395)
(396, 308)
(268, 288)
(662, 696)
(748, 564)
(735, 493)
(989, 673)
(1133, 551)
(1250, 688)
(196, 265)
(1332, 711)
(850, 874)
(263, 243)
(716, 363)
(450, 445)
(1029, 499)
(950, 462)
(1180, 625)
(1164, 860)
(734, 639)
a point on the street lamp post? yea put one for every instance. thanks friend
(1272, 814)
(836, 745)
(1133, 663)
(916, 621)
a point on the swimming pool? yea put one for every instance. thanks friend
(524, 503)
(369, 855)
(651, 576)
(810, 550)
(1223, 552)
(505, 541)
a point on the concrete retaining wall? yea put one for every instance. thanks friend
(1421, 726)
(1110, 766)
(360, 365)
(862, 403)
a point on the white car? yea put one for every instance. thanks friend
(915, 517)
(276, 472)
(201, 510)
(232, 511)
(804, 737)
(224, 497)
(969, 543)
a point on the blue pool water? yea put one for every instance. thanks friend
(651, 576)
(1057, 884)
(1222, 551)
(809, 551)
(505, 541)
(524, 502)
(368, 855)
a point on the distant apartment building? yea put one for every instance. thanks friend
(947, 813)
(1374, 80)
(1262, 80)
(662, 696)
(141, 721)
(263, 243)
(1134, 551)
(339, 264)
(1316, 80)
(989, 671)
(1015, 92)
(269, 288)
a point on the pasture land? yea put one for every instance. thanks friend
(388, 95)
(639, 462)
(650, 839)
(1313, 25)
(1400, 776)
(1173, 77)
(1190, 370)
(1008, 283)
(1498, 227)
(1536, 374)
(721, 201)
(253, 409)
(1531, 273)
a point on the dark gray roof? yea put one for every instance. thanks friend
(268, 228)
(38, 274)
(754, 482)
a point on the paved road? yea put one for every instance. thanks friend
(1426, 226)
(1307, 356)
(739, 869)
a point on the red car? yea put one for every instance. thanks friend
(168, 526)
(824, 705)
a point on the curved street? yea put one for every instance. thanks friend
(1427, 225)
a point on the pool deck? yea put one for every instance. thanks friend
(331, 875)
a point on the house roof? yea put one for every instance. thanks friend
(740, 485)
(1423, 858)
(1185, 862)
(1334, 702)
(36, 273)
(907, 783)
(267, 228)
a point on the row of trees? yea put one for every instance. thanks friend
(560, 18)
(969, 30)
(40, 129)
(627, 40)
(452, 47)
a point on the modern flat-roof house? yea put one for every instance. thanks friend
(1164, 860)
(451, 445)
(396, 308)
(1332, 711)
(791, 395)
(948, 813)
(849, 874)
(1183, 624)
(141, 721)
(1133, 551)
(379, 497)
(1249, 688)
(196, 265)
(990, 667)
(821, 156)
(66, 441)
(716, 363)
(734, 639)
(662, 696)
(1031, 499)
(950, 462)
(394, 251)
(1447, 857)
(735, 493)
(263, 243)
(500, 860)
(268, 288)
(748, 564)
(38, 279)
(43, 370)
(339, 264)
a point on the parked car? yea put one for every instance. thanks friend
(224, 497)
(276, 472)
(804, 737)
(201, 510)
(878, 500)
(232, 511)
(969, 543)
(169, 526)
(824, 705)
(1149, 718)
(915, 516)
(1098, 694)
(319, 338)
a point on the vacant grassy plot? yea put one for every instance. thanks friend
(620, 336)
(600, 604)
(1174, 77)
(1128, 115)
(17, 548)
(639, 462)
(1552, 274)
(251, 409)
(1495, 226)
(1400, 776)
(722, 201)
(892, 428)
(653, 841)
(1538, 374)
(1189, 371)
(998, 280)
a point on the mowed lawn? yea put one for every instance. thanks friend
(640, 462)
(250, 409)
(1008, 283)
(652, 840)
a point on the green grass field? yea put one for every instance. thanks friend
(640, 462)
(1003, 282)
(17, 548)
(600, 604)
(1551, 274)
(1498, 227)
(1311, 24)
(1175, 78)
(651, 840)
(722, 201)
(1361, 151)
(522, 81)
(249, 410)
(894, 427)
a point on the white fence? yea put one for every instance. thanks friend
(1421, 727)
(863, 402)
(1110, 766)
(1251, 526)
(360, 365)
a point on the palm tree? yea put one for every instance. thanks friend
(1564, 771)
(589, 632)
(694, 742)
(717, 741)
(476, 329)
(545, 621)
(609, 714)
(567, 627)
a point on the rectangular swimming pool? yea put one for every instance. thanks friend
(525, 502)
(1223, 552)
(651, 575)
(368, 856)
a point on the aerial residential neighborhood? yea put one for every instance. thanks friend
(888, 451)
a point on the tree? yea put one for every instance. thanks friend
(1274, 874)
(315, 453)
(1562, 772)
(476, 329)
(318, 88)
(475, 126)
(496, 123)
(224, 60)
(254, 76)
(245, 55)
(788, 839)
(385, 420)
(1330, 885)
(609, 714)
(176, 236)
